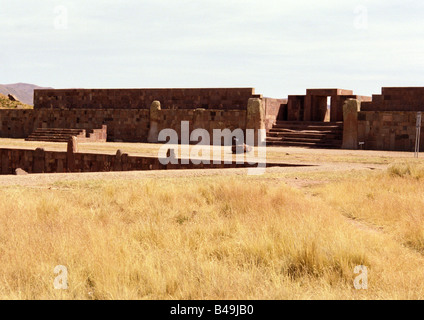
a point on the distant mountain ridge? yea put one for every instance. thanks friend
(23, 91)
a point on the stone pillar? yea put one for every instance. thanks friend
(70, 153)
(117, 165)
(154, 119)
(39, 160)
(125, 162)
(255, 118)
(4, 162)
(351, 108)
(307, 112)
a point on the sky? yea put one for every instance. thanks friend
(277, 47)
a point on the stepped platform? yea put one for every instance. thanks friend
(63, 135)
(326, 135)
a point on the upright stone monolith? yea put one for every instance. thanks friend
(117, 165)
(39, 160)
(70, 153)
(4, 162)
(154, 120)
(255, 118)
(351, 108)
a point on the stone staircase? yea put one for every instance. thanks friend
(55, 134)
(328, 135)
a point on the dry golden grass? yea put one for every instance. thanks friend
(200, 238)
(6, 103)
(392, 201)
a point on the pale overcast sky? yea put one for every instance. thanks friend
(278, 47)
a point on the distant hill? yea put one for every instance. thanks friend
(23, 91)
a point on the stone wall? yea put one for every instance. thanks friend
(313, 105)
(17, 123)
(41, 161)
(202, 119)
(397, 99)
(122, 125)
(218, 98)
(273, 109)
(390, 130)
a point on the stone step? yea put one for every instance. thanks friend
(304, 134)
(48, 139)
(309, 123)
(54, 134)
(70, 131)
(332, 145)
(42, 134)
(307, 127)
(294, 139)
(307, 139)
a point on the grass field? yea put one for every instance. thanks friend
(217, 237)
(6, 103)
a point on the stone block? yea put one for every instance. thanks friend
(350, 124)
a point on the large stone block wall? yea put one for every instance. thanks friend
(313, 105)
(337, 102)
(16, 123)
(388, 130)
(212, 98)
(129, 125)
(397, 99)
(40, 161)
(122, 125)
(202, 119)
(296, 108)
(273, 109)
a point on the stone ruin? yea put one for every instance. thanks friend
(326, 118)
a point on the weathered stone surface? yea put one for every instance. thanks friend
(238, 147)
(39, 160)
(70, 153)
(242, 148)
(20, 172)
(118, 161)
(12, 97)
(171, 98)
(313, 105)
(155, 109)
(125, 162)
(4, 162)
(72, 145)
(154, 119)
(55, 161)
(397, 99)
(126, 125)
(397, 134)
(350, 124)
(255, 118)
